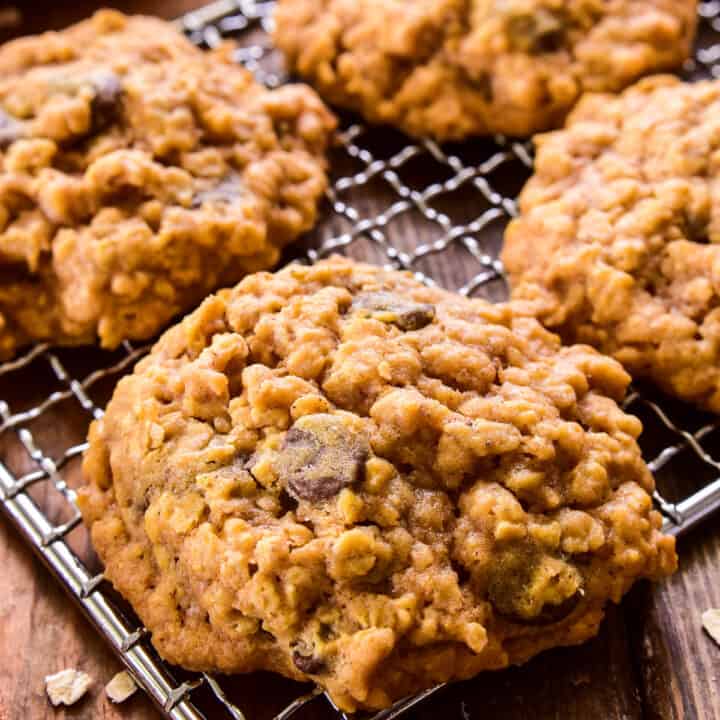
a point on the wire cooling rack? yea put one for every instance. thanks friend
(392, 201)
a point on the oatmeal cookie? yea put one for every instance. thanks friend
(453, 68)
(339, 474)
(618, 243)
(137, 174)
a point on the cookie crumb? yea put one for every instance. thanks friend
(711, 623)
(121, 687)
(67, 686)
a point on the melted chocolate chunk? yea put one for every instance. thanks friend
(513, 583)
(225, 192)
(480, 81)
(308, 664)
(540, 32)
(11, 129)
(555, 613)
(319, 457)
(390, 308)
(107, 101)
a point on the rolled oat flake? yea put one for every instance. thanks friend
(121, 687)
(711, 623)
(67, 686)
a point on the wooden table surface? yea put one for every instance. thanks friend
(651, 660)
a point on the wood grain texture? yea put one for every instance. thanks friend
(41, 633)
(652, 661)
(39, 15)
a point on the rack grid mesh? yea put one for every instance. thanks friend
(455, 203)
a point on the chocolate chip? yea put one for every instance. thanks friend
(390, 308)
(107, 100)
(555, 613)
(11, 129)
(479, 81)
(540, 32)
(513, 582)
(287, 503)
(308, 664)
(225, 192)
(319, 457)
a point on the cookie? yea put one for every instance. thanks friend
(341, 475)
(617, 242)
(137, 174)
(451, 69)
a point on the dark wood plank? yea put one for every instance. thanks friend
(40, 633)
(40, 15)
(595, 680)
(678, 662)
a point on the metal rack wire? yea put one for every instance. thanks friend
(66, 386)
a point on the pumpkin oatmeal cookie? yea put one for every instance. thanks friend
(454, 68)
(339, 474)
(137, 174)
(618, 243)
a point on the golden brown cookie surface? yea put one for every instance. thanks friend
(337, 473)
(617, 243)
(137, 174)
(454, 68)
